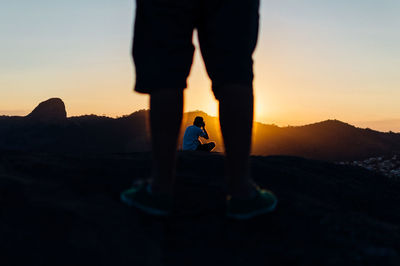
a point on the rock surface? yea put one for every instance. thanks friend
(65, 210)
(385, 165)
(52, 110)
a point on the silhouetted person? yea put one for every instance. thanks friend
(163, 54)
(191, 140)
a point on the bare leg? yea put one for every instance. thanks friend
(236, 117)
(166, 108)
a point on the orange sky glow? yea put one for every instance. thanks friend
(314, 61)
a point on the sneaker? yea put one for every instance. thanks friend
(141, 197)
(241, 209)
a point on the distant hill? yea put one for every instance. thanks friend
(329, 140)
(48, 129)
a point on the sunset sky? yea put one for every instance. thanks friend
(315, 60)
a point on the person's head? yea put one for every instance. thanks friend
(199, 122)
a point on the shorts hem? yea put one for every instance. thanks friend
(150, 89)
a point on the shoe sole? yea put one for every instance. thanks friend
(251, 215)
(148, 210)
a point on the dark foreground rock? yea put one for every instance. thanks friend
(65, 210)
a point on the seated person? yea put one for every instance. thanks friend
(191, 140)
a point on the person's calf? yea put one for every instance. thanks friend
(236, 118)
(166, 111)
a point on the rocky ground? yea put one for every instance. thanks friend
(386, 165)
(58, 209)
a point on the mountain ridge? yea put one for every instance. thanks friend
(326, 140)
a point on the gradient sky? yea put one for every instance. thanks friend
(315, 60)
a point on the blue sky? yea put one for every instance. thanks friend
(315, 60)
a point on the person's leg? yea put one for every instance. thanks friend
(163, 52)
(228, 36)
(236, 118)
(165, 121)
(210, 146)
(200, 147)
(155, 197)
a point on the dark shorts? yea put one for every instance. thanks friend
(163, 48)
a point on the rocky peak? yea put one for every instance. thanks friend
(52, 110)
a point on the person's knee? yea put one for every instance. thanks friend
(166, 93)
(234, 91)
(211, 146)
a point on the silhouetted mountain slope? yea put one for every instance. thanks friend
(77, 134)
(65, 210)
(327, 140)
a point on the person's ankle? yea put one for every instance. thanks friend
(243, 192)
(160, 190)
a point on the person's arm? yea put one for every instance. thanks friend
(205, 133)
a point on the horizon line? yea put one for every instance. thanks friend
(17, 113)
